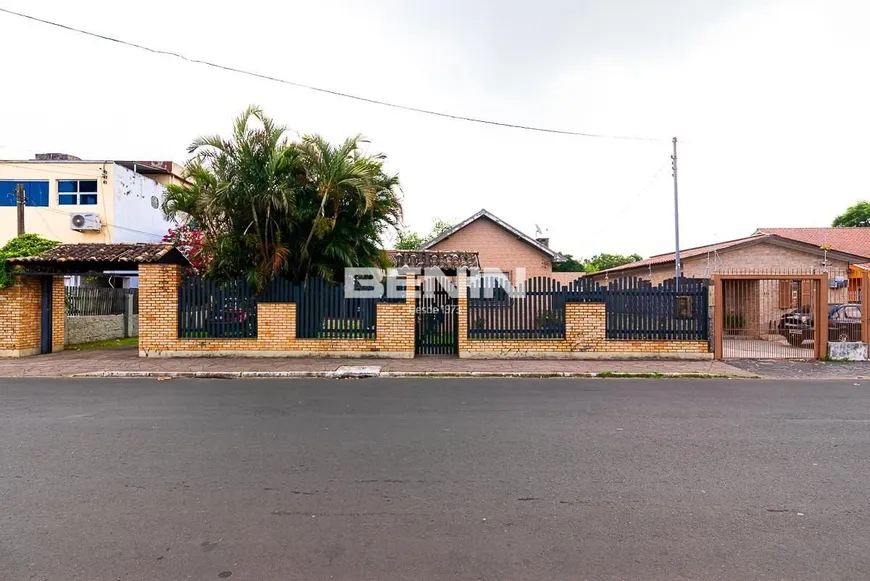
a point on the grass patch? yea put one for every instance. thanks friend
(108, 344)
(630, 375)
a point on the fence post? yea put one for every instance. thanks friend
(865, 307)
(718, 316)
(128, 315)
(822, 317)
(462, 311)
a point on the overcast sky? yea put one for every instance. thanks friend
(770, 99)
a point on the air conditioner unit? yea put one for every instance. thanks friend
(84, 221)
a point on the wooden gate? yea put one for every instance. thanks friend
(437, 318)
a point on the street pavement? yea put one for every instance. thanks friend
(395, 479)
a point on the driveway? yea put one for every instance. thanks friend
(434, 479)
(762, 349)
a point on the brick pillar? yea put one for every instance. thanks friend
(409, 327)
(21, 317)
(462, 310)
(58, 314)
(158, 307)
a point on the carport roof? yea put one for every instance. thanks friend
(69, 258)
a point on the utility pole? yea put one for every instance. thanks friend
(19, 202)
(676, 215)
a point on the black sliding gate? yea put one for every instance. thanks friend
(437, 318)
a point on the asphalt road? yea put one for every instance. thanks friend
(434, 479)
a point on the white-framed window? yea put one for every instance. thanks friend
(77, 192)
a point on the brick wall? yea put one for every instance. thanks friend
(585, 337)
(21, 317)
(276, 327)
(498, 248)
(58, 314)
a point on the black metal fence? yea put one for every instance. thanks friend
(92, 301)
(634, 308)
(637, 310)
(534, 310)
(323, 311)
(212, 309)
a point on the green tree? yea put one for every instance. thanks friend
(23, 245)
(604, 261)
(594, 264)
(410, 240)
(269, 207)
(854, 216)
(571, 264)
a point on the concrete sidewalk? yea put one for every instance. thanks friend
(115, 362)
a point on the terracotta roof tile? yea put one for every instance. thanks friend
(685, 253)
(446, 259)
(849, 240)
(120, 253)
(855, 241)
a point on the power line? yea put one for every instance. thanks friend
(630, 201)
(328, 91)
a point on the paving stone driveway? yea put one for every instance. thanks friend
(126, 359)
(804, 369)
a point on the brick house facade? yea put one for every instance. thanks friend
(498, 245)
(757, 304)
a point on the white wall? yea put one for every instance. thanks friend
(135, 219)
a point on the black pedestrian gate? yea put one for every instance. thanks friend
(45, 343)
(437, 318)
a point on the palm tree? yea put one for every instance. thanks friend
(337, 174)
(271, 207)
(242, 190)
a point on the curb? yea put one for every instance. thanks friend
(402, 374)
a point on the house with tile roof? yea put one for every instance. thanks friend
(841, 252)
(499, 245)
(798, 250)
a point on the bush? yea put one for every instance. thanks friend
(24, 245)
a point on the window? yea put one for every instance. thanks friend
(785, 299)
(77, 192)
(35, 192)
(852, 313)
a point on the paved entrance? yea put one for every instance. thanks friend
(771, 316)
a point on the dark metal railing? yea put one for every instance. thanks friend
(533, 310)
(213, 309)
(634, 308)
(323, 311)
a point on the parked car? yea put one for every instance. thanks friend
(844, 324)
